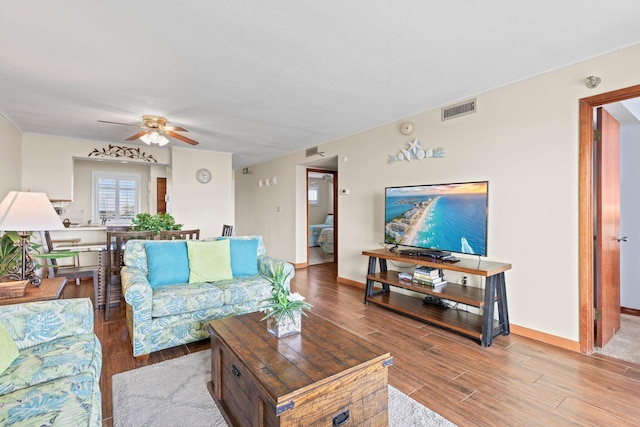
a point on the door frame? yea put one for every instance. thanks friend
(335, 208)
(586, 209)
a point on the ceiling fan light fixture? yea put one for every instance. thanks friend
(156, 131)
(154, 137)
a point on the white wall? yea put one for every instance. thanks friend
(47, 161)
(523, 139)
(318, 213)
(204, 206)
(272, 210)
(48, 165)
(11, 158)
(629, 216)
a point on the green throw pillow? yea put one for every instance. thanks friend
(209, 260)
(8, 350)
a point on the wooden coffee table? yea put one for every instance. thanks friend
(49, 289)
(323, 376)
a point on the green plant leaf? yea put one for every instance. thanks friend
(144, 221)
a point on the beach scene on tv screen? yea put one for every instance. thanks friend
(448, 217)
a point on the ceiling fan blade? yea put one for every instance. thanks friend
(136, 136)
(173, 129)
(182, 138)
(116, 123)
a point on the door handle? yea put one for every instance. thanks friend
(623, 239)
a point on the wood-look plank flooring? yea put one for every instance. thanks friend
(515, 382)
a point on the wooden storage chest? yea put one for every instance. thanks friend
(323, 376)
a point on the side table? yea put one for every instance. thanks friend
(49, 289)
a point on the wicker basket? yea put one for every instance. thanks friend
(13, 289)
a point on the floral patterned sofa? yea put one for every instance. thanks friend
(168, 306)
(54, 380)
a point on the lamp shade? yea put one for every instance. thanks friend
(27, 211)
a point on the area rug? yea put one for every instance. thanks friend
(625, 344)
(174, 393)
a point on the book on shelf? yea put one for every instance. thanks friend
(426, 276)
(427, 271)
(430, 282)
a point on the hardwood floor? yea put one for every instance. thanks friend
(516, 381)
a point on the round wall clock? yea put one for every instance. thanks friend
(203, 175)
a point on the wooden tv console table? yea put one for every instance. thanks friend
(480, 327)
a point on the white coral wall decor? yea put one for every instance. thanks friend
(416, 152)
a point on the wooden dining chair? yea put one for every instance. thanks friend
(118, 228)
(179, 234)
(227, 230)
(70, 272)
(112, 261)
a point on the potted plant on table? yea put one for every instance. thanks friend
(283, 309)
(162, 221)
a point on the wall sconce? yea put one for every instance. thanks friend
(593, 82)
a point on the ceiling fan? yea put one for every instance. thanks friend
(155, 129)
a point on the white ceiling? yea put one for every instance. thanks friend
(262, 79)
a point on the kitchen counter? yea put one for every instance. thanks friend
(88, 240)
(85, 228)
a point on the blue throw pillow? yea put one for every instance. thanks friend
(244, 257)
(168, 262)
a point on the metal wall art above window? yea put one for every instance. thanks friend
(118, 151)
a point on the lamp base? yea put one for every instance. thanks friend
(22, 268)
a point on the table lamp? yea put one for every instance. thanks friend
(25, 212)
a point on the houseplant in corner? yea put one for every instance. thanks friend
(283, 309)
(162, 221)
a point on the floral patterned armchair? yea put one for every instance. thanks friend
(54, 380)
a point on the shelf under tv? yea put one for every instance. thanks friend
(480, 327)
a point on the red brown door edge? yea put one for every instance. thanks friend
(607, 214)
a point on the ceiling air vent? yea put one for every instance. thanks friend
(460, 109)
(311, 151)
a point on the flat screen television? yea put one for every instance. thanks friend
(438, 217)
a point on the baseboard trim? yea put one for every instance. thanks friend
(631, 311)
(300, 265)
(554, 340)
(515, 329)
(350, 282)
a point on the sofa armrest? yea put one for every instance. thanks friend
(139, 297)
(39, 322)
(136, 289)
(266, 262)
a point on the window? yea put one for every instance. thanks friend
(313, 196)
(116, 197)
